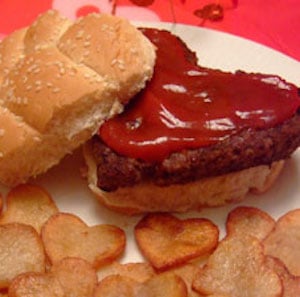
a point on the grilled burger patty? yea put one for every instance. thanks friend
(248, 148)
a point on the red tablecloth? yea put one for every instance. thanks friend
(275, 23)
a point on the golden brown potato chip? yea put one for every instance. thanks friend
(28, 204)
(70, 277)
(187, 273)
(77, 276)
(117, 286)
(237, 268)
(249, 220)
(140, 272)
(284, 241)
(66, 235)
(21, 250)
(291, 283)
(167, 241)
(33, 284)
(165, 285)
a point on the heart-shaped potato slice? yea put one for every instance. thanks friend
(69, 277)
(28, 204)
(237, 268)
(249, 220)
(291, 283)
(187, 273)
(167, 241)
(164, 285)
(66, 235)
(284, 241)
(140, 272)
(21, 250)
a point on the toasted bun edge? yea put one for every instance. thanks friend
(207, 192)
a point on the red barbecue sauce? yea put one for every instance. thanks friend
(187, 106)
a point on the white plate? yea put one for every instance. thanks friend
(217, 50)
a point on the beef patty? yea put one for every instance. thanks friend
(248, 148)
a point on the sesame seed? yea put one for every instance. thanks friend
(25, 100)
(37, 70)
(86, 44)
(121, 66)
(1, 155)
(133, 50)
(37, 138)
(79, 34)
(6, 83)
(119, 63)
(86, 53)
(2, 132)
(113, 62)
(55, 90)
(38, 89)
(62, 71)
(29, 61)
(37, 47)
(105, 27)
(72, 71)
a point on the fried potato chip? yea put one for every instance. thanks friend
(284, 241)
(33, 284)
(167, 241)
(140, 272)
(70, 277)
(249, 220)
(21, 250)
(291, 283)
(77, 276)
(237, 268)
(187, 273)
(28, 204)
(165, 285)
(66, 235)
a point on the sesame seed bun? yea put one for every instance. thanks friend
(59, 81)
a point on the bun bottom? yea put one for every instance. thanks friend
(207, 192)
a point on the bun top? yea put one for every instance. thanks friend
(59, 81)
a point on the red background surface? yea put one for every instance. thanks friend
(275, 23)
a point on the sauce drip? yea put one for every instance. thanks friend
(187, 106)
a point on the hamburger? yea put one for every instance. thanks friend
(194, 137)
(179, 139)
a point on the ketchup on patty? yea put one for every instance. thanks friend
(187, 106)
